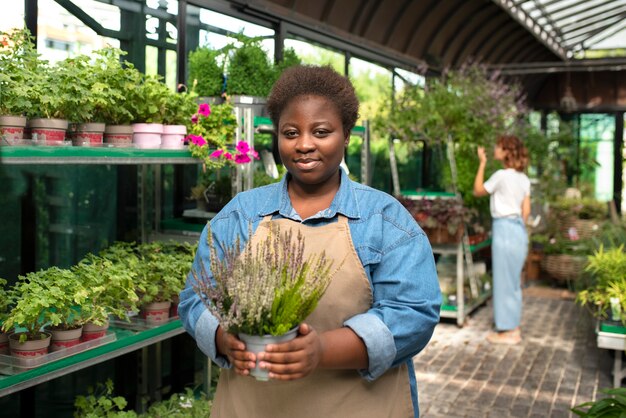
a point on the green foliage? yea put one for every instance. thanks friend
(46, 297)
(205, 73)
(19, 67)
(110, 284)
(250, 71)
(100, 403)
(608, 271)
(269, 288)
(6, 299)
(585, 208)
(149, 100)
(559, 245)
(162, 270)
(180, 107)
(612, 406)
(290, 59)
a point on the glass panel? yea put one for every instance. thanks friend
(314, 54)
(597, 132)
(62, 35)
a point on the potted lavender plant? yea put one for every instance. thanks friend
(262, 293)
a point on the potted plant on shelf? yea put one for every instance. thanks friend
(177, 118)
(161, 276)
(19, 63)
(111, 291)
(5, 305)
(149, 100)
(441, 219)
(605, 293)
(263, 301)
(45, 297)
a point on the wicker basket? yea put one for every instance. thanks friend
(563, 267)
(585, 228)
(442, 235)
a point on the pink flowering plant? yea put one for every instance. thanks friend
(265, 289)
(212, 130)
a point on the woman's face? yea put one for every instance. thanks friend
(311, 141)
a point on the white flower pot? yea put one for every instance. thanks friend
(147, 135)
(31, 348)
(257, 343)
(156, 313)
(173, 136)
(64, 338)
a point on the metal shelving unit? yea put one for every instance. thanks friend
(613, 337)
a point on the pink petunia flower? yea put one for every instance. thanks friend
(242, 158)
(204, 109)
(197, 140)
(254, 154)
(243, 147)
(228, 155)
(194, 118)
(217, 153)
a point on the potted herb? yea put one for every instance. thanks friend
(19, 63)
(161, 276)
(262, 293)
(110, 291)
(149, 101)
(46, 297)
(606, 292)
(177, 118)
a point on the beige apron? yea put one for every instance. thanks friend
(324, 393)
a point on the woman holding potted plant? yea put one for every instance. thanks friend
(353, 354)
(509, 191)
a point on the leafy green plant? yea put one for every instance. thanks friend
(19, 69)
(180, 108)
(100, 403)
(558, 245)
(264, 289)
(608, 271)
(149, 100)
(205, 73)
(162, 270)
(110, 286)
(185, 405)
(612, 406)
(6, 299)
(585, 208)
(250, 71)
(45, 297)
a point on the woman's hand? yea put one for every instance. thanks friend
(482, 157)
(293, 359)
(232, 347)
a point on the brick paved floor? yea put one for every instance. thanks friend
(556, 366)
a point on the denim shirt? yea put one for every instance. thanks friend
(395, 254)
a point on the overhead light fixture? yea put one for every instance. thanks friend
(568, 101)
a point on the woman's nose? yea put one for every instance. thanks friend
(305, 143)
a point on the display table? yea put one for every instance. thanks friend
(612, 336)
(126, 341)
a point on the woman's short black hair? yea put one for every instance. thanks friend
(323, 81)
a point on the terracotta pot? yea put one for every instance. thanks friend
(50, 131)
(87, 134)
(4, 343)
(29, 349)
(12, 128)
(92, 331)
(173, 137)
(64, 338)
(120, 135)
(156, 313)
(147, 135)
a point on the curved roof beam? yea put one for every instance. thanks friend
(473, 47)
(530, 24)
(460, 40)
(418, 23)
(511, 37)
(401, 10)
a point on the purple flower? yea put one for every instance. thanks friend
(204, 109)
(242, 158)
(197, 140)
(243, 147)
(217, 153)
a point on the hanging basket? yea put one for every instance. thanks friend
(441, 235)
(584, 228)
(563, 267)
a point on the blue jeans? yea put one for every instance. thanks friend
(508, 249)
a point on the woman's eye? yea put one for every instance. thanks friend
(321, 132)
(290, 134)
